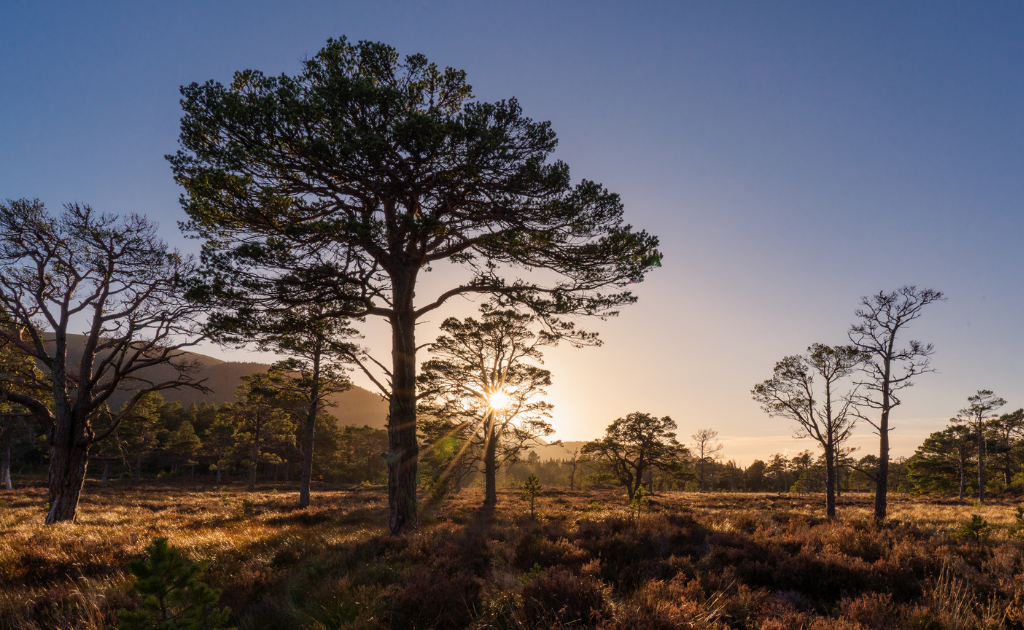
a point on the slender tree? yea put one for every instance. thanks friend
(118, 281)
(482, 386)
(977, 416)
(636, 443)
(826, 419)
(707, 449)
(888, 368)
(364, 171)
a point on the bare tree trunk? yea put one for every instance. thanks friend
(882, 478)
(402, 443)
(307, 438)
(830, 482)
(5, 457)
(491, 463)
(963, 479)
(255, 455)
(981, 463)
(67, 476)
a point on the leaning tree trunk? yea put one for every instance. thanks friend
(69, 456)
(403, 448)
(491, 463)
(307, 438)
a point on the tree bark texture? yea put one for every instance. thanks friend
(402, 443)
(307, 438)
(67, 476)
(882, 481)
(830, 482)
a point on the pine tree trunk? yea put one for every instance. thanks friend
(491, 463)
(255, 458)
(403, 448)
(981, 464)
(307, 438)
(963, 479)
(5, 457)
(830, 482)
(106, 472)
(138, 466)
(882, 479)
(68, 461)
(218, 474)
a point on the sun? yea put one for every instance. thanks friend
(498, 400)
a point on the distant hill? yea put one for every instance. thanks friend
(356, 406)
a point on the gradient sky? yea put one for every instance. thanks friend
(792, 157)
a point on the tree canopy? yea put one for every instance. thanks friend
(353, 177)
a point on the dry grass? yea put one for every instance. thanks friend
(695, 561)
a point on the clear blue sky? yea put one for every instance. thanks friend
(792, 157)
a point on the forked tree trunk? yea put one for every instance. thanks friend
(403, 448)
(491, 463)
(307, 438)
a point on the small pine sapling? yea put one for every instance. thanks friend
(977, 529)
(1016, 530)
(639, 504)
(531, 490)
(174, 596)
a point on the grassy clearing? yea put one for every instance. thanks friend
(694, 561)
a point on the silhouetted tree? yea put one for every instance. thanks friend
(480, 388)
(977, 416)
(791, 394)
(707, 449)
(888, 367)
(633, 444)
(943, 460)
(118, 281)
(1007, 431)
(364, 171)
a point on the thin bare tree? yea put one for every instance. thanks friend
(889, 368)
(708, 450)
(827, 419)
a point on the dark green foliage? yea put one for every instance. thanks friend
(531, 490)
(640, 504)
(1016, 530)
(636, 444)
(174, 596)
(976, 530)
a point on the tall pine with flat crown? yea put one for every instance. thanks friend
(350, 179)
